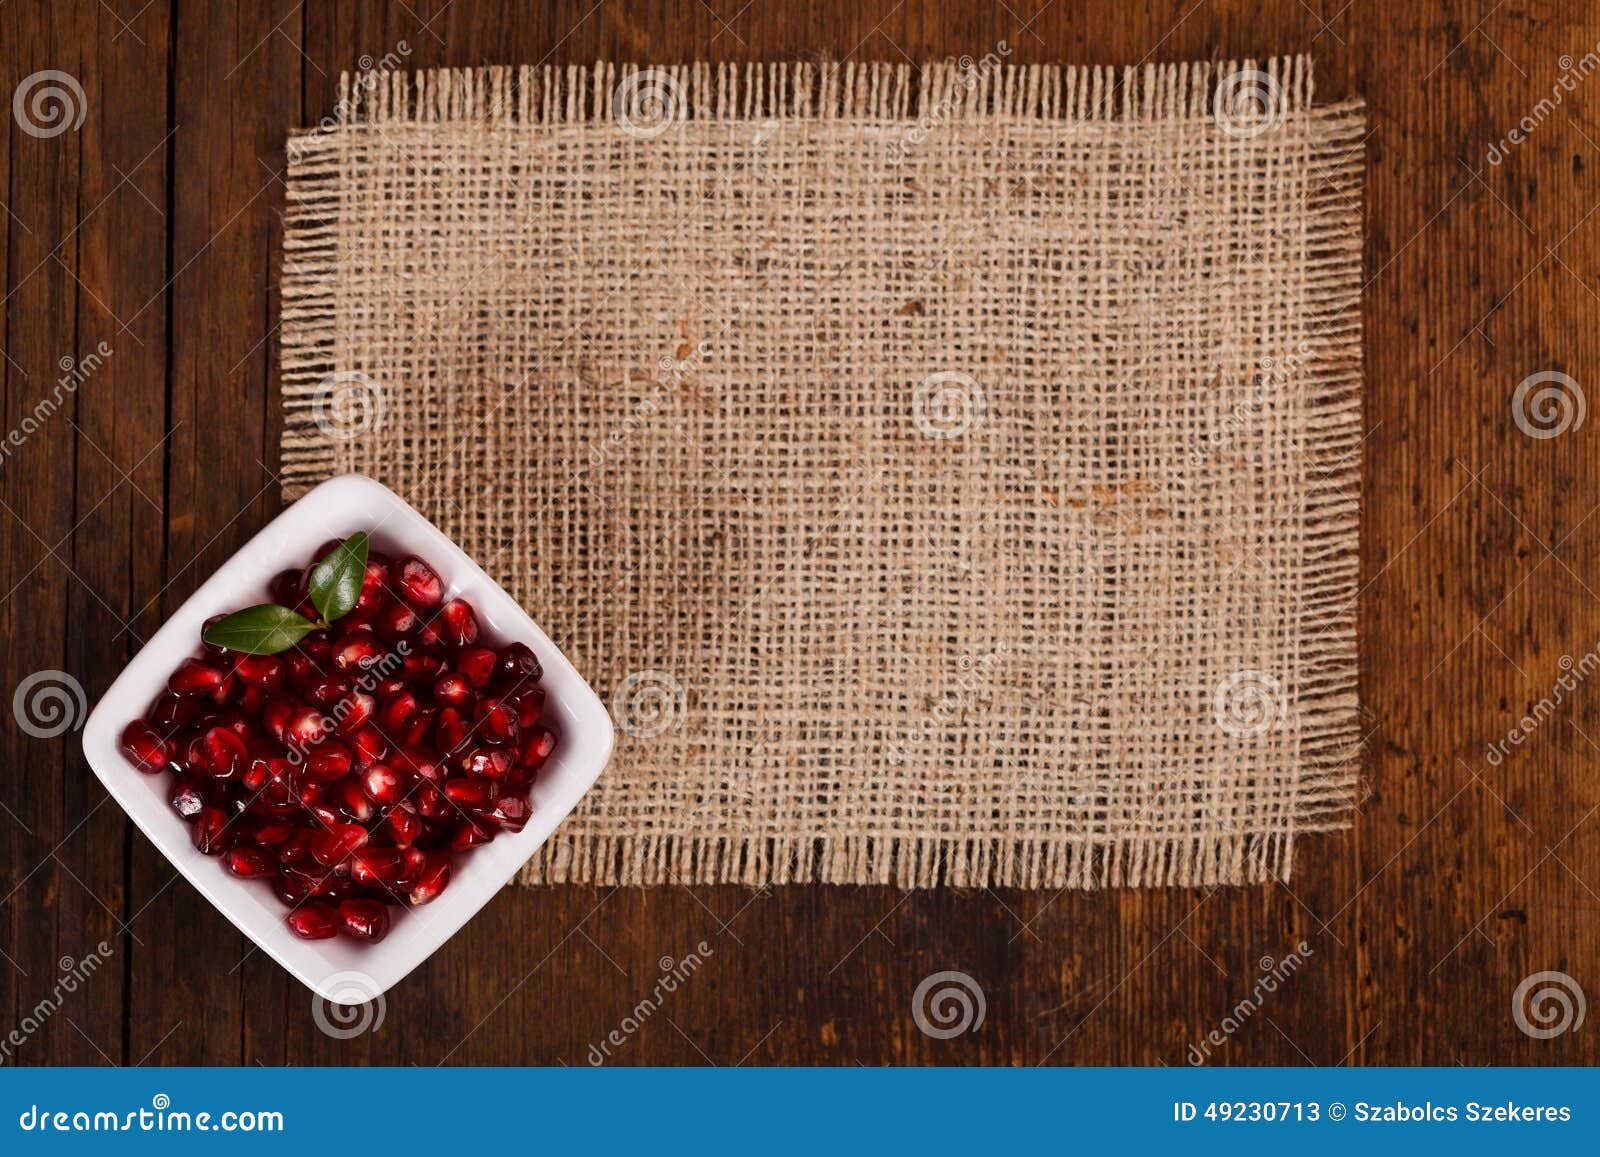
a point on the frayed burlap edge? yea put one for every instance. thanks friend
(1148, 94)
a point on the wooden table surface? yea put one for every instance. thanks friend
(154, 227)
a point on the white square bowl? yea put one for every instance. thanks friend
(342, 969)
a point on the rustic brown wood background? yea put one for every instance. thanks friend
(155, 227)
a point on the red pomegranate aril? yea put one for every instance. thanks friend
(368, 746)
(169, 712)
(489, 762)
(476, 664)
(256, 773)
(498, 722)
(421, 727)
(457, 623)
(306, 728)
(512, 812)
(351, 801)
(472, 791)
(297, 848)
(358, 650)
(516, 665)
(387, 689)
(537, 748)
(395, 622)
(433, 880)
(364, 919)
(353, 712)
(332, 844)
(275, 715)
(328, 762)
(421, 665)
(264, 671)
(403, 827)
(247, 863)
(418, 583)
(291, 888)
(453, 690)
(327, 691)
(529, 703)
(450, 730)
(145, 748)
(397, 713)
(377, 867)
(223, 753)
(417, 762)
(287, 587)
(470, 834)
(194, 677)
(209, 832)
(274, 835)
(430, 802)
(383, 784)
(186, 799)
(313, 921)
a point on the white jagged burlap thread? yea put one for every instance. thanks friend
(951, 475)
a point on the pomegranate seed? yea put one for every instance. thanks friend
(333, 843)
(291, 888)
(472, 791)
(256, 773)
(387, 689)
(433, 880)
(327, 691)
(267, 672)
(498, 722)
(210, 831)
(512, 812)
(297, 848)
(364, 919)
(430, 801)
(368, 746)
(186, 799)
(403, 827)
(417, 582)
(421, 725)
(376, 867)
(383, 784)
(353, 712)
(274, 836)
(287, 587)
(396, 622)
(247, 863)
(476, 664)
(450, 730)
(143, 745)
(487, 762)
(538, 747)
(459, 624)
(470, 834)
(314, 921)
(517, 664)
(302, 668)
(222, 752)
(397, 713)
(306, 729)
(194, 677)
(416, 762)
(328, 762)
(170, 712)
(358, 650)
(275, 715)
(529, 703)
(352, 801)
(454, 691)
(422, 665)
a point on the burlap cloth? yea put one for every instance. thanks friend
(947, 475)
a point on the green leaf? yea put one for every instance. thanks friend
(336, 581)
(263, 630)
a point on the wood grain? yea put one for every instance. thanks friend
(154, 227)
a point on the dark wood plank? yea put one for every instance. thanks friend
(1461, 877)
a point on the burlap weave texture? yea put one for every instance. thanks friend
(949, 475)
